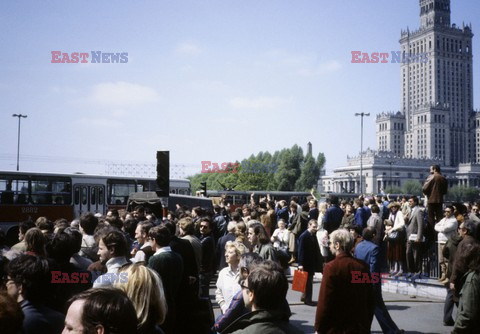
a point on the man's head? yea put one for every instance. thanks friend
(413, 201)
(28, 277)
(266, 287)
(112, 244)
(435, 168)
(101, 311)
(368, 233)
(205, 226)
(35, 241)
(312, 226)
(23, 227)
(257, 234)
(475, 209)
(467, 228)
(247, 262)
(186, 226)
(139, 213)
(333, 200)
(312, 203)
(448, 211)
(357, 203)
(341, 241)
(76, 239)
(88, 223)
(160, 237)
(141, 232)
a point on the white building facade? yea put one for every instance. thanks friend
(436, 123)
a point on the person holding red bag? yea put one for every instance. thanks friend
(309, 258)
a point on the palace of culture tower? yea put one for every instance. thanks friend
(436, 122)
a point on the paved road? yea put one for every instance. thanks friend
(419, 315)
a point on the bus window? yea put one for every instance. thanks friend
(93, 195)
(51, 190)
(77, 196)
(84, 195)
(100, 195)
(13, 190)
(119, 190)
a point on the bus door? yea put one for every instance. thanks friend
(89, 198)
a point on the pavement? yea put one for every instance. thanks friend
(414, 315)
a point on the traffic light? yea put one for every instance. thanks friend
(203, 188)
(163, 174)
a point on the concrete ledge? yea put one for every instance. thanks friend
(423, 287)
(429, 288)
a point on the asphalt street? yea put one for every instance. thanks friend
(414, 315)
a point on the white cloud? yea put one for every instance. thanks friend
(262, 102)
(324, 68)
(122, 94)
(188, 48)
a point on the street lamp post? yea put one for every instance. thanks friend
(361, 114)
(20, 116)
(391, 183)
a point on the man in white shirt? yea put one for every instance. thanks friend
(445, 228)
(112, 251)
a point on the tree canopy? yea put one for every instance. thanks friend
(285, 170)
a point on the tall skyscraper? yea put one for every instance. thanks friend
(436, 123)
(436, 119)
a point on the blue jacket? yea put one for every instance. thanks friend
(368, 252)
(282, 214)
(361, 216)
(333, 218)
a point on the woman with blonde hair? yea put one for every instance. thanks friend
(144, 287)
(227, 282)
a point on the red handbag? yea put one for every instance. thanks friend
(299, 281)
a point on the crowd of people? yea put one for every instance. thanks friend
(133, 273)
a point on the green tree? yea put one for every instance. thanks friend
(308, 176)
(321, 161)
(462, 194)
(412, 187)
(393, 190)
(288, 172)
(294, 171)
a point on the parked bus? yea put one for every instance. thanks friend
(25, 195)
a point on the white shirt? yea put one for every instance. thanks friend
(227, 287)
(107, 279)
(163, 250)
(140, 255)
(446, 228)
(283, 238)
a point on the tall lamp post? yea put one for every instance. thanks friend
(361, 114)
(391, 183)
(20, 116)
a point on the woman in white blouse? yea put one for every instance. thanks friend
(227, 282)
(396, 247)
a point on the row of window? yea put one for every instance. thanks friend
(54, 190)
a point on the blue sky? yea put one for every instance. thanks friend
(207, 80)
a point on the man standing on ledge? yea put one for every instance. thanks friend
(435, 187)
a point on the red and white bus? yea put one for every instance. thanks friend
(25, 195)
